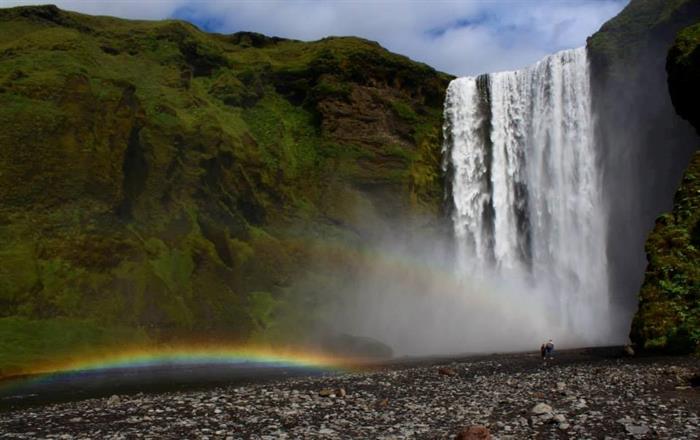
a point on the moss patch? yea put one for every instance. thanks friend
(26, 344)
(669, 310)
(157, 178)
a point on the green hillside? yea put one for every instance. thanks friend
(162, 184)
(165, 183)
(643, 25)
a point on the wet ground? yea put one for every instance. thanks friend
(590, 393)
(31, 391)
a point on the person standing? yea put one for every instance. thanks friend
(549, 349)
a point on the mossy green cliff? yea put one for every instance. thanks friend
(669, 307)
(641, 28)
(164, 182)
(644, 145)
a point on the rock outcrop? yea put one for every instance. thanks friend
(644, 145)
(669, 309)
(683, 67)
(159, 182)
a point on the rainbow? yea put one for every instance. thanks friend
(182, 355)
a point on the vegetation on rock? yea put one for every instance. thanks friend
(644, 145)
(669, 308)
(620, 43)
(683, 66)
(161, 181)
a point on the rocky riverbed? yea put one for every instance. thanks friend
(579, 395)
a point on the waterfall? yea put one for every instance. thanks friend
(526, 190)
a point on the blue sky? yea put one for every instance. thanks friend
(459, 37)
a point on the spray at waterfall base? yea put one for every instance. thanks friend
(528, 258)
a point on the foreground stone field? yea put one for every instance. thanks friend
(578, 395)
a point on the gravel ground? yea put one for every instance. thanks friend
(579, 395)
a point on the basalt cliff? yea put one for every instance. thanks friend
(669, 309)
(157, 181)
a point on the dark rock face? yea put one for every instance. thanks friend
(683, 67)
(356, 347)
(168, 182)
(644, 145)
(669, 309)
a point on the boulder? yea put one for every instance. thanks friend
(381, 403)
(447, 371)
(346, 345)
(694, 380)
(637, 430)
(474, 432)
(327, 392)
(540, 409)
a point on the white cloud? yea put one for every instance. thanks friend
(468, 37)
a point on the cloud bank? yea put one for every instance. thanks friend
(458, 37)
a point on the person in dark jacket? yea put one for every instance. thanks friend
(549, 349)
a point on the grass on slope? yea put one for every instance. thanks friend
(150, 173)
(27, 343)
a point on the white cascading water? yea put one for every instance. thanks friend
(526, 190)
